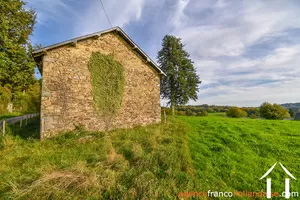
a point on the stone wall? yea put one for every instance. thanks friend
(67, 91)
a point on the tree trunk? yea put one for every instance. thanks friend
(10, 107)
(173, 109)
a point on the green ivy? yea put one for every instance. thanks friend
(108, 82)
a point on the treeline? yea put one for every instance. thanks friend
(201, 110)
(292, 106)
(266, 110)
(20, 101)
(19, 90)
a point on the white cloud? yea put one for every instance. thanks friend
(212, 41)
(279, 92)
(273, 78)
(218, 34)
(207, 70)
(120, 13)
(234, 30)
(85, 17)
(282, 56)
(53, 10)
(178, 19)
(219, 45)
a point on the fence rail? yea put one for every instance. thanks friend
(20, 119)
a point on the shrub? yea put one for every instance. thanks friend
(202, 113)
(189, 112)
(223, 110)
(273, 111)
(168, 110)
(210, 110)
(250, 111)
(253, 116)
(180, 113)
(5, 98)
(28, 101)
(236, 112)
(216, 109)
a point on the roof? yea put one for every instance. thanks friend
(38, 54)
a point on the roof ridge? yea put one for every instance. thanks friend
(37, 53)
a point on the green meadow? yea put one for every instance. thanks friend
(232, 154)
(188, 154)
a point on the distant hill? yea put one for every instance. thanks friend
(294, 106)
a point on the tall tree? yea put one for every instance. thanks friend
(16, 63)
(292, 112)
(181, 83)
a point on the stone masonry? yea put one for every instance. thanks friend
(67, 100)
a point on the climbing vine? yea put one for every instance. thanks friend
(108, 82)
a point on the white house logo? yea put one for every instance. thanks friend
(287, 181)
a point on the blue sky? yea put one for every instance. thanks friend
(246, 52)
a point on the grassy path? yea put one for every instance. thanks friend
(232, 154)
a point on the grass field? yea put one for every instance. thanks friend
(232, 154)
(155, 162)
(146, 162)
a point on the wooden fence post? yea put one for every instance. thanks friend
(26, 120)
(21, 122)
(3, 128)
(42, 128)
(165, 116)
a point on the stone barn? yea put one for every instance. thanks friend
(297, 116)
(101, 81)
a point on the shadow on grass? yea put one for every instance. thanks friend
(9, 115)
(31, 130)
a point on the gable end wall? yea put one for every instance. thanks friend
(67, 91)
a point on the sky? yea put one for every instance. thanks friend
(245, 52)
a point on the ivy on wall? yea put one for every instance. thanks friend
(108, 82)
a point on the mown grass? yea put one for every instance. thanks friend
(232, 154)
(142, 163)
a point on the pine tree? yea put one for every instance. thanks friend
(292, 112)
(16, 63)
(181, 83)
